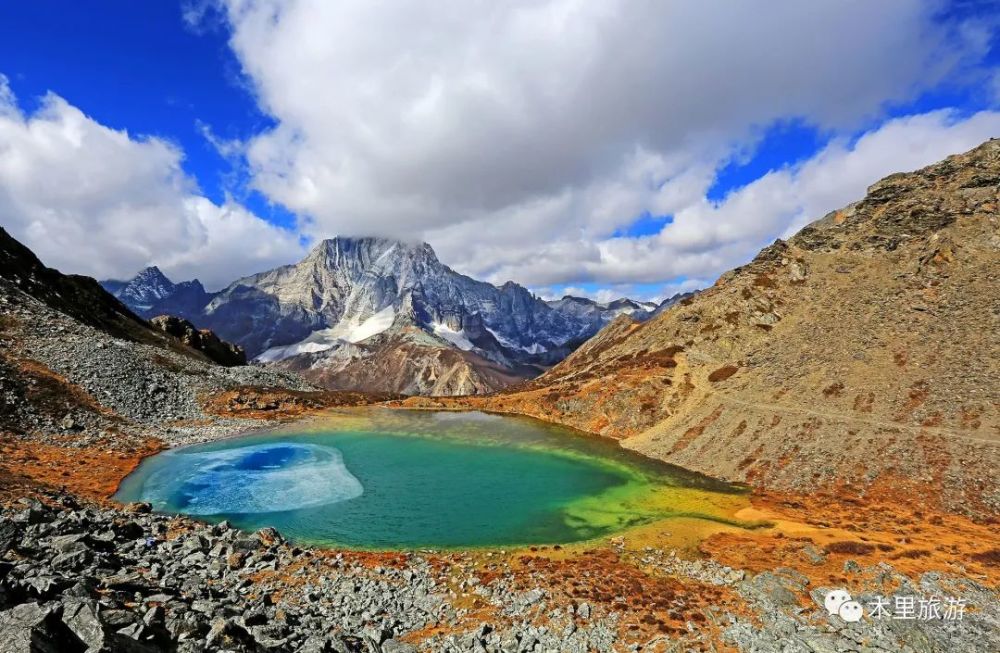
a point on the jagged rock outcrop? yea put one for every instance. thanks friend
(383, 315)
(203, 340)
(863, 352)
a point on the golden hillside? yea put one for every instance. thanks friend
(863, 352)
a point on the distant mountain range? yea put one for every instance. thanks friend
(384, 315)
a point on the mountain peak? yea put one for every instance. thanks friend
(152, 273)
(578, 300)
(355, 289)
(370, 247)
(149, 285)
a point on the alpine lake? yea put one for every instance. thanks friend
(406, 479)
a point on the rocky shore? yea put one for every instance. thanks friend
(83, 578)
(89, 579)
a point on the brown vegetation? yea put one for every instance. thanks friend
(281, 403)
(92, 472)
(723, 373)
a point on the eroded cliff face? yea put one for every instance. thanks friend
(862, 353)
(404, 360)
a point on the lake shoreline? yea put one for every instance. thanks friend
(729, 583)
(651, 482)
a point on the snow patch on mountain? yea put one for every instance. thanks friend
(373, 326)
(337, 336)
(317, 341)
(533, 348)
(457, 338)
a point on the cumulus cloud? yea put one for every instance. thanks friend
(93, 200)
(706, 238)
(518, 137)
(783, 201)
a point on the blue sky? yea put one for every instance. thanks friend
(140, 67)
(341, 119)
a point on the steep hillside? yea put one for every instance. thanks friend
(84, 299)
(865, 351)
(405, 361)
(77, 367)
(78, 296)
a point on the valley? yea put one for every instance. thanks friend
(846, 379)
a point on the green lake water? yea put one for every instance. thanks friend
(377, 478)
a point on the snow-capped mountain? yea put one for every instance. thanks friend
(353, 304)
(142, 291)
(150, 292)
(598, 314)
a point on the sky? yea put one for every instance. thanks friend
(622, 147)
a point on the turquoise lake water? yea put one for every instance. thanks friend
(408, 479)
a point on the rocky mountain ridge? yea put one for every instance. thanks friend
(150, 290)
(75, 359)
(203, 340)
(383, 315)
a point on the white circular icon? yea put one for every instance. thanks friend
(850, 611)
(835, 599)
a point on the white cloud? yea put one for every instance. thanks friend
(707, 238)
(93, 200)
(783, 201)
(227, 148)
(518, 136)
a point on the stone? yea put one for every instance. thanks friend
(774, 588)
(81, 618)
(121, 643)
(226, 633)
(10, 535)
(270, 536)
(813, 555)
(396, 646)
(32, 628)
